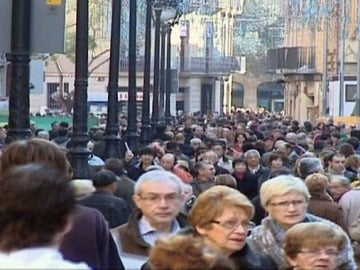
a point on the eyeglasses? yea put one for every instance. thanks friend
(156, 199)
(233, 224)
(286, 204)
(313, 252)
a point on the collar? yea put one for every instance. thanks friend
(146, 228)
(254, 170)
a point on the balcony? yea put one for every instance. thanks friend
(202, 65)
(140, 64)
(210, 66)
(291, 60)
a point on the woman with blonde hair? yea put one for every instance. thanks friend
(286, 199)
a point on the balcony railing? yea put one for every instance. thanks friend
(298, 60)
(140, 64)
(209, 65)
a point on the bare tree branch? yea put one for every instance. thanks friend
(97, 56)
(98, 65)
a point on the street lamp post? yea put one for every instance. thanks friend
(162, 71)
(132, 136)
(168, 77)
(112, 125)
(145, 117)
(19, 120)
(155, 107)
(79, 139)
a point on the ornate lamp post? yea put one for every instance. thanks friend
(168, 77)
(132, 136)
(19, 120)
(165, 11)
(174, 21)
(162, 71)
(112, 126)
(79, 140)
(155, 105)
(145, 117)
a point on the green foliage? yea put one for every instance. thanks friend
(98, 26)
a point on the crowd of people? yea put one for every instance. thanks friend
(251, 190)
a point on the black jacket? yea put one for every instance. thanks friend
(90, 241)
(249, 184)
(114, 209)
(247, 259)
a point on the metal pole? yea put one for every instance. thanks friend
(155, 108)
(145, 118)
(325, 74)
(19, 120)
(162, 72)
(342, 60)
(78, 150)
(112, 125)
(168, 77)
(132, 136)
(358, 62)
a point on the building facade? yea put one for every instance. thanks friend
(318, 59)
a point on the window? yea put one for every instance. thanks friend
(350, 92)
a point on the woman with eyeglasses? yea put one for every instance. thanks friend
(221, 217)
(313, 245)
(285, 198)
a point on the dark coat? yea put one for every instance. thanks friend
(247, 259)
(199, 186)
(135, 171)
(114, 209)
(260, 212)
(322, 205)
(100, 149)
(128, 235)
(249, 184)
(90, 241)
(125, 190)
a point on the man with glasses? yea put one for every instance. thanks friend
(158, 197)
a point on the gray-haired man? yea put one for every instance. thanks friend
(158, 197)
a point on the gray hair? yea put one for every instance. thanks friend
(282, 185)
(343, 180)
(309, 165)
(159, 176)
(195, 140)
(251, 151)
